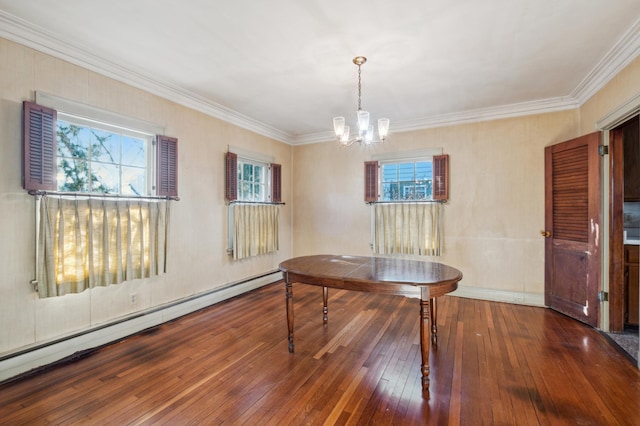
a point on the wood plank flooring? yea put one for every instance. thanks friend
(494, 364)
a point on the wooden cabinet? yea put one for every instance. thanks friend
(631, 284)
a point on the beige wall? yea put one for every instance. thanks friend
(198, 261)
(495, 211)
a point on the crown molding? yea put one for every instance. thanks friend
(486, 114)
(30, 35)
(619, 56)
(469, 116)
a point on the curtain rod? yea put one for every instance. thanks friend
(408, 202)
(269, 203)
(39, 193)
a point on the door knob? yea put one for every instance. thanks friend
(545, 234)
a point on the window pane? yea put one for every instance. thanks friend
(407, 190)
(105, 178)
(133, 181)
(73, 141)
(245, 191)
(407, 181)
(406, 172)
(423, 171)
(390, 191)
(91, 160)
(73, 175)
(105, 146)
(389, 172)
(134, 151)
(247, 172)
(258, 174)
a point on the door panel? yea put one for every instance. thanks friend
(572, 221)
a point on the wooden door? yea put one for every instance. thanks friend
(572, 221)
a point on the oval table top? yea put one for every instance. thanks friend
(373, 274)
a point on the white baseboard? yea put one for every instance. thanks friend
(521, 298)
(28, 359)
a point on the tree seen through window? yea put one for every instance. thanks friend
(100, 161)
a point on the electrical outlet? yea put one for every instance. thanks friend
(134, 298)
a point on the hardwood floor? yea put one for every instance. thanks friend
(494, 364)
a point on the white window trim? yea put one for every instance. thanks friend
(251, 155)
(403, 157)
(266, 178)
(81, 114)
(97, 115)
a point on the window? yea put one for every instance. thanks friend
(252, 180)
(401, 222)
(87, 241)
(254, 192)
(63, 152)
(102, 159)
(416, 179)
(407, 180)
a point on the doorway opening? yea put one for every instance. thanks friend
(624, 241)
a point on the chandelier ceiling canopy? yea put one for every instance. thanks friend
(364, 132)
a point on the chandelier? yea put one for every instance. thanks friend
(364, 131)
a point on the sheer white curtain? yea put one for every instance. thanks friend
(89, 242)
(255, 229)
(407, 228)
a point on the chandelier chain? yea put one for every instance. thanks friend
(359, 89)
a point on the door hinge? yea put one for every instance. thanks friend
(603, 150)
(603, 296)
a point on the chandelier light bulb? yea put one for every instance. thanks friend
(344, 138)
(368, 137)
(383, 128)
(338, 126)
(363, 121)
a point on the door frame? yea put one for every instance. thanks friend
(605, 125)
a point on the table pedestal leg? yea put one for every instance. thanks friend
(424, 342)
(434, 320)
(289, 295)
(325, 300)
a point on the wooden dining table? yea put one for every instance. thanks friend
(387, 275)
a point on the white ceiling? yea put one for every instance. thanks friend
(282, 68)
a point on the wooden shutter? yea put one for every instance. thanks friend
(276, 183)
(231, 177)
(167, 174)
(370, 181)
(441, 177)
(40, 148)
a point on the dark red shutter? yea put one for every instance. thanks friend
(276, 183)
(167, 180)
(231, 177)
(370, 181)
(40, 148)
(441, 177)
